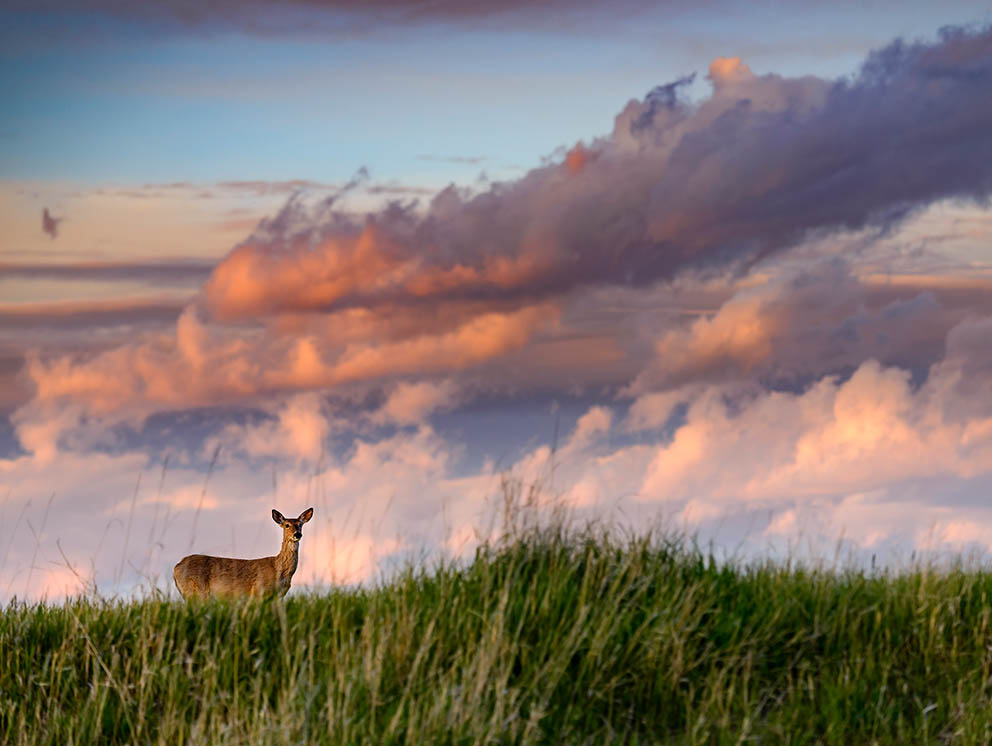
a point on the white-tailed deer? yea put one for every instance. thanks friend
(200, 575)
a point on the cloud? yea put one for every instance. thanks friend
(731, 284)
(200, 364)
(267, 16)
(186, 271)
(319, 298)
(594, 422)
(40, 430)
(890, 464)
(872, 431)
(754, 169)
(262, 188)
(468, 160)
(728, 71)
(576, 158)
(478, 339)
(965, 374)
(87, 314)
(14, 388)
(347, 560)
(298, 431)
(410, 403)
(809, 322)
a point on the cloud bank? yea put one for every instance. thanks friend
(761, 164)
(736, 287)
(317, 298)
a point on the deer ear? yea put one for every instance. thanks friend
(277, 516)
(306, 515)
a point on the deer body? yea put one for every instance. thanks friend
(203, 576)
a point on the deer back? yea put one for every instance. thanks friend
(201, 575)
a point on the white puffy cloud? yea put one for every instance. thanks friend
(890, 465)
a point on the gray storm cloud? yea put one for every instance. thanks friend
(754, 169)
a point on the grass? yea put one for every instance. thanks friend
(551, 636)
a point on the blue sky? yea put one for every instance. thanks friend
(94, 99)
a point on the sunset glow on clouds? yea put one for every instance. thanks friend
(757, 308)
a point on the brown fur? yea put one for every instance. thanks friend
(202, 576)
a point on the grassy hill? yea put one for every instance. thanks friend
(551, 637)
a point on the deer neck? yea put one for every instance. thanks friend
(288, 558)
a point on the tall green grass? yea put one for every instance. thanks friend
(551, 636)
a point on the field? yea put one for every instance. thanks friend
(550, 636)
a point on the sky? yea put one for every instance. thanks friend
(718, 268)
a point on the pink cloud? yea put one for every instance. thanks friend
(812, 321)
(320, 299)
(872, 457)
(576, 158)
(870, 431)
(203, 363)
(597, 421)
(409, 403)
(56, 583)
(728, 70)
(747, 173)
(298, 431)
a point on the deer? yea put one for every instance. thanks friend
(203, 576)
